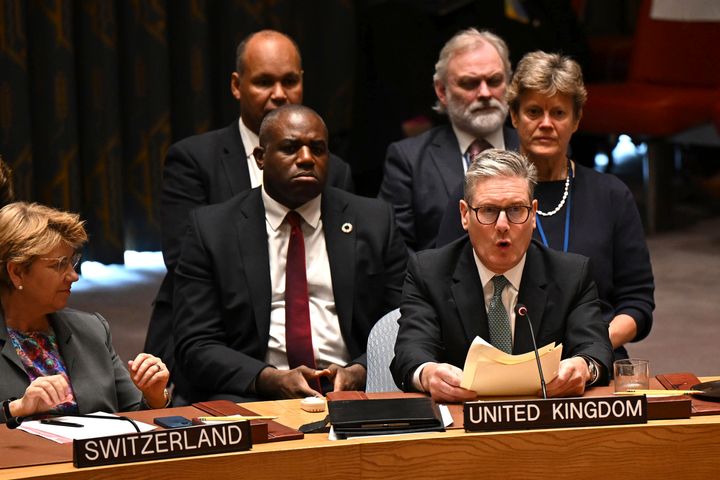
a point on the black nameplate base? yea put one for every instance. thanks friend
(492, 416)
(159, 444)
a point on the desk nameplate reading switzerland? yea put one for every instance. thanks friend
(159, 444)
(492, 416)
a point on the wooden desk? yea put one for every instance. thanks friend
(656, 450)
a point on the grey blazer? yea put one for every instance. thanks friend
(98, 377)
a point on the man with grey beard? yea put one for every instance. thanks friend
(422, 172)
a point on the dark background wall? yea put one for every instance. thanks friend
(92, 93)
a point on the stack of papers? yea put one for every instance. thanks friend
(492, 372)
(91, 428)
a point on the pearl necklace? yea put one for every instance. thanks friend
(564, 197)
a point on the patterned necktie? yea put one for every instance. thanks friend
(298, 332)
(478, 146)
(500, 335)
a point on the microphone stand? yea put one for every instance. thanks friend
(521, 310)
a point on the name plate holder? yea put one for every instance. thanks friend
(493, 416)
(161, 444)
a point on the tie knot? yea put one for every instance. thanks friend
(293, 218)
(499, 282)
(476, 147)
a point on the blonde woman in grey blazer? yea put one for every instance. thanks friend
(54, 359)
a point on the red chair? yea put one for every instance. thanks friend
(673, 85)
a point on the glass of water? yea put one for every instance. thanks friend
(631, 374)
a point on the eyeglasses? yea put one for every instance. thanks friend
(62, 263)
(489, 214)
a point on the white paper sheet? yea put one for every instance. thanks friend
(492, 372)
(91, 428)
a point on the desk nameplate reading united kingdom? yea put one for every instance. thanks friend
(490, 416)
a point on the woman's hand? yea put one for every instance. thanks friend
(150, 376)
(41, 395)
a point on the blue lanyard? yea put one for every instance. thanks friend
(566, 233)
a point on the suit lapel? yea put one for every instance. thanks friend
(253, 245)
(234, 160)
(533, 293)
(63, 334)
(446, 156)
(8, 350)
(337, 219)
(82, 388)
(467, 293)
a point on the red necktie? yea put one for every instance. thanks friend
(298, 332)
(478, 146)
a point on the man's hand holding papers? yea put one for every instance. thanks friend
(571, 378)
(442, 382)
(492, 372)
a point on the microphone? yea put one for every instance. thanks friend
(14, 422)
(521, 311)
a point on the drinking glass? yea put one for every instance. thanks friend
(631, 374)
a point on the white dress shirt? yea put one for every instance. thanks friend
(509, 298)
(250, 141)
(328, 344)
(509, 294)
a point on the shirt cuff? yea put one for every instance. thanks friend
(168, 400)
(594, 376)
(416, 377)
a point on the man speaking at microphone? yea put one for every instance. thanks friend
(470, 288)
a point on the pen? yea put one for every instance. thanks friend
(659, 393)
(236, 418)
(60, 423)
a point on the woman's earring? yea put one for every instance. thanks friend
(19, 287)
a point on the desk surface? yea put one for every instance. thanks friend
(687, 447)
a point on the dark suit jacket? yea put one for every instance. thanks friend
(450, 223)
(223, 289)
(420, 174)
(443, 309)
(605, 226)
(97, 375)
(202, 170)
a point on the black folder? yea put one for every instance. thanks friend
(384, 416)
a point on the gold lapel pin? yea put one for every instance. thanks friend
(346, 227)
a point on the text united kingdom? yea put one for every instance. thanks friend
(554, 413)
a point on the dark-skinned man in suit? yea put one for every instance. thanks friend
(233, 313)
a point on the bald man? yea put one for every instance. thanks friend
(215, 166)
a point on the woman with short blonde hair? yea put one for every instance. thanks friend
(58, 360)
(33, 230)
(549, 74)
